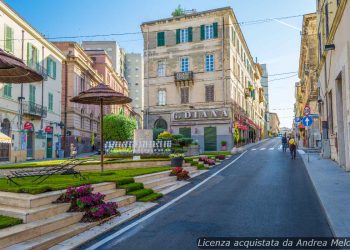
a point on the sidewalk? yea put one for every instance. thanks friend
(332, 185)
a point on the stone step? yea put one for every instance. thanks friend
(148, 177)
(191, 169)
(159, 181)
(127, 213)
(186, 165)
(199, 172)
(114, 193)
(174, 187)
(124, 200)
(16, 234)
(164, 186)
(33, 214)
(102, 187)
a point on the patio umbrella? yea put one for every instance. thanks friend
(5, 139)
(101, 95)
(13, 70)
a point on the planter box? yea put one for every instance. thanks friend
(177, 162)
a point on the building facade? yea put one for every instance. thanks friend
(134, 77)
(333, 18)
(274, 124)
(30, 113)
(201, 80)
(265, 85)
(81, 121)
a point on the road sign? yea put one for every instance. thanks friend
(307, 110)
(297, 119)
(307, 121)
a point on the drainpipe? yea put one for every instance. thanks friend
(223, 61)
(63, 146)
(42, 88)
(147, 109)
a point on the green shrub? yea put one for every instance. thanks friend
(124, 181)
(195, 164)
(156, 132)
(132, 186)
(118, 127)
(200, 166)
(151, 197)
(141, 193)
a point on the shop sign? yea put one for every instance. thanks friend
(210, 114)
(27, 126)
(48, 129)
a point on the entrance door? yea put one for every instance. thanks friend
(4, 147)
(210, 139)
(49, 146)
(30, 143)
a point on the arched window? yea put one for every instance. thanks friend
(6, 127)
(161, 123)
(82, 119)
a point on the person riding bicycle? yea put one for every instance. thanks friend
(292, 147)
(284, 143)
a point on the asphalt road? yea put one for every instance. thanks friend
(264, 194)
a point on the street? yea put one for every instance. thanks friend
(263, 194)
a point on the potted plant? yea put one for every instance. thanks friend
(223, 145)
(176, 159)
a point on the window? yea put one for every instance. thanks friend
(8, 39)
(51, 67)
(82, 119)
(209, 63)
(50, 102)
(209, 93)
(160, 39)
(32, 94)
(32, 56)
(162, 97)
(161, 68)
(82, 83)
(184, 65)
(7, 90)
(209, 31)
(186, 132)
(161, 123)
(185, 95)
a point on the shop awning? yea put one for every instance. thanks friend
(4, 138)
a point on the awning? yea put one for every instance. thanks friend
(4, 138)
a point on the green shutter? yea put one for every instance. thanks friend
(54, 69)
(177, 36)
(50, 102)
(37, 60)
(215, 27)
(160, 39)
(202, 32)
(8, 39)
(31, 94)
(8, 90)
(48, 65)
(29, 54)
(190, 34)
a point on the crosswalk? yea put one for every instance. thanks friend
(269, 149)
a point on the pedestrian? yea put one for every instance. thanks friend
(73, 150)
(284, 143)
(292, 147)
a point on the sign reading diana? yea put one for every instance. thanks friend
(208, 114)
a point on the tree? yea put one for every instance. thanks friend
(118, 127)
(178, 11)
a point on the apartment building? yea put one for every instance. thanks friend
(333, 18)
(134, 77)
(274, 124)
(201, 80)
(307, 87)
(265, 86)
(30, 113)
(82, 121)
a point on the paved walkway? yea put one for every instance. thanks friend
(332, 184)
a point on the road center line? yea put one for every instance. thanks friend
(127, 228)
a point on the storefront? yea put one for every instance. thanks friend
(208, 127)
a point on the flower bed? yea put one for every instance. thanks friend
(83, 200)
(209, 162)
(221, 157)
(180, 173)
(203, 158)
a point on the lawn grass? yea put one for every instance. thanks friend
(141, 193)
(151, 197)
(132, 186)
(6, 221)
(217, 153)
(57, 162)
(58, 182)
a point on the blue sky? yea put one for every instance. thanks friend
(273, 43)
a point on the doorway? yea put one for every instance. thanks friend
(30, 142)
(4, 147)
(340, 120)
(210, 139)
(49, 145)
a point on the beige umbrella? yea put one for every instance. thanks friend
(101, 95)
(5, 139)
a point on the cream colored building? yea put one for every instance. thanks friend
(307, 93)
(37, 134)
(274, 124)
(333, 74)
(198, 69)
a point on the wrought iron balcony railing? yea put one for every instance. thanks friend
(184, 77)
(33, 109)
(38, 68)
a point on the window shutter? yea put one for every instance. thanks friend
(37, 60)
(48, 65)
(54, 69)
(160, 39)
(202, 32)
(215, 27)
(29, 54)
(209, 93)
(190, 34)
(177, 36)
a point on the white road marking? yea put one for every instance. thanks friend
(302, 152)
(280, 147)
(271, 148)
(262, 148)
(127, 228)
(253, 149)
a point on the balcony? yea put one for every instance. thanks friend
(33, 109)
(38, 68)
(183, 78)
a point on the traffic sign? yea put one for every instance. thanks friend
(307, 110)
(307, 121)
(297, 119)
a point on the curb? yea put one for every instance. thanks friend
(329, 222)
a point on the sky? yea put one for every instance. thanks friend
(276, 43)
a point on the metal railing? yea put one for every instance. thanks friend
(38, 68)
(184, 76)
(34, 109)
